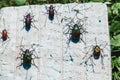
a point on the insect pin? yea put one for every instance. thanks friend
(29, 21)
(27, 58)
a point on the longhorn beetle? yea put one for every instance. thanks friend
(51, 11)
(97, 52)
(29, 21)
(27, 58)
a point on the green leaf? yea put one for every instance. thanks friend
(115, 8)
(116, 41)
(63, 1)
(20, 2)
(115, 28)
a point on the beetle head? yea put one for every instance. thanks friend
(28, 16)
(51, 7)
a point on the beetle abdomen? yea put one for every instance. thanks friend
(51, 14)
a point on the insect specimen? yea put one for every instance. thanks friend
(29, 21)
(75, 30)
(51, 11)
(4, 36)
(96, 52)
(27, 58)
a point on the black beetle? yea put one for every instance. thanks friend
(51, 11)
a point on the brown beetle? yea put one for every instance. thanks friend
(97, 52)
(4, 35)
(75, 33)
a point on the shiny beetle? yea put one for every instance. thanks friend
(97, 52)
(75, 30)
(27, 58)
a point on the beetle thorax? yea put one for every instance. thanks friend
(4, 33)
(76, 28)
(27, 55)
(97, 49)
(28, 17)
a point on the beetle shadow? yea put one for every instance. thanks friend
(26, 66)
(75, 40)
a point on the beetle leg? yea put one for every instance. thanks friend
(69, 38)
(33, 25)
(57, 19)
(35, 57)
(34, 20)
(68, 8)
(22, 50)
(84, 31)
(20, 56)
(46, 8)
(102, 53)
(66, 32)
(81, 38)
(91, 60)
(20, 64)
(34, 64)
(45, 22)
(102, 61)
(65, 19)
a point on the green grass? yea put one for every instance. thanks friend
(114, 24)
